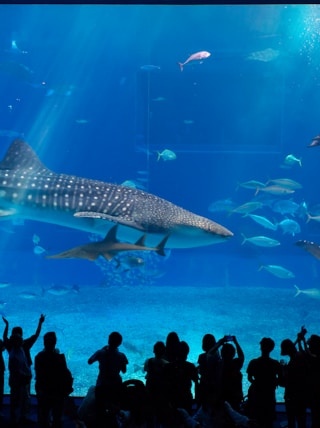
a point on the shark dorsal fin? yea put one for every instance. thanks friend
(21, 156)
(141, 240)
(112, 235)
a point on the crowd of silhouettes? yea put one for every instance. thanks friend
(176, 393)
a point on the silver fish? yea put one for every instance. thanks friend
(314, 293)
(260, 241)
(278, 271)
(263, 221)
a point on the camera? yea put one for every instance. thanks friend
(303, 331)
(228, 338)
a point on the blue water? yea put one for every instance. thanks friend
(76, 84)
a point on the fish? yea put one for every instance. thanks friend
(275, 190)
(167, 155)
(315, 141)
(35, 239)
(61, 290)
(108, 248)
(246, 208)
(130, 262)
(285, 206)
(285, 182)
(263, 221)
(159, 99)
(310, 292)
(289, 226)
(265, 55)
(310, 246)
(260, 241)
(278, 271)
(291, 160)
(4, 284)
(29, 190)
(221, 205)
(251, 184)
(38, 250)
(198, 56)
(28, 295)
(150, 67)
(313, 217)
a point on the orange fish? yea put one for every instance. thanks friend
(198, 56)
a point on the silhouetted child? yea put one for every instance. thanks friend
(53, 383)
(109, 381)
(157, 377)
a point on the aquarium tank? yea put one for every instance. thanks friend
(159, 172)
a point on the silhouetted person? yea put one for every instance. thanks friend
(294, 376)
(209, 368)
(263, 374)
(53, 383)
(19, 380)
(231, 376)
(109, 381)
(313, 378)
(27, 344)
(2, 370)
(172, 343)
(157, 377)
(181, 375)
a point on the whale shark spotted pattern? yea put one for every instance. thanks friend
(29, 190)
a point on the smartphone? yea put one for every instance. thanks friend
(228, 338)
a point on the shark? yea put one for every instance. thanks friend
(108, 248)
(31, 191)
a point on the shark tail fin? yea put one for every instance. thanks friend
(298, 291)
(260, 268)
(159, 156)
(161, 245)
(308, 218)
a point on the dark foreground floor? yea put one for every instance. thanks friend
(70, 422)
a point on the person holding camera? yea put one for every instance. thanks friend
(232, 359)
(294, 380)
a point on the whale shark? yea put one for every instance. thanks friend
(29, 190)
